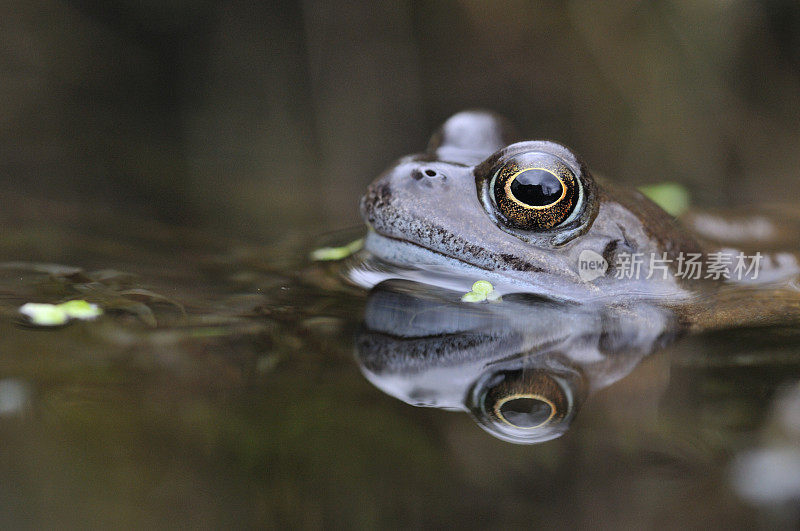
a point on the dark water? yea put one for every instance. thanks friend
(225, 385)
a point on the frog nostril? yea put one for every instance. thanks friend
(423, 173)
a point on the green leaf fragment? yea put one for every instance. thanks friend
(80, 309)
(44, 314)
(472, 296)
(337, 253)
(482, 286)
(59, 314)
(482, 290)
(672, 197)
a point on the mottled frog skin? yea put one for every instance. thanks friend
(479, 203)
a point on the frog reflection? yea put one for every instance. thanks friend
(522, 367)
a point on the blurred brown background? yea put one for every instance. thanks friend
(266, 117)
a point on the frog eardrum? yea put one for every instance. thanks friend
(536, 191)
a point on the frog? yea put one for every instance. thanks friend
(480, 202)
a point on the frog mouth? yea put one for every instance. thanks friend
(390, 257)
(407, 252)
(417, 252)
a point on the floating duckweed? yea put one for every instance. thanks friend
(59, 314)
(482, 286)
(482, 290)
(337, 253)
(472, 296)
(672, 197)
(80, 309)
(44, 314)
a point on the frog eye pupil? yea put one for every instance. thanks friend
(534, 191)
(536, 187)
(526, 412)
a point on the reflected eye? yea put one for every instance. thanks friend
(525, 399)
(525, 411)
(536, 191)
(526, 405)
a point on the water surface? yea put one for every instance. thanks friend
(225, 385)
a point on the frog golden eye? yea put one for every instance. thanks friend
(536, 191)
